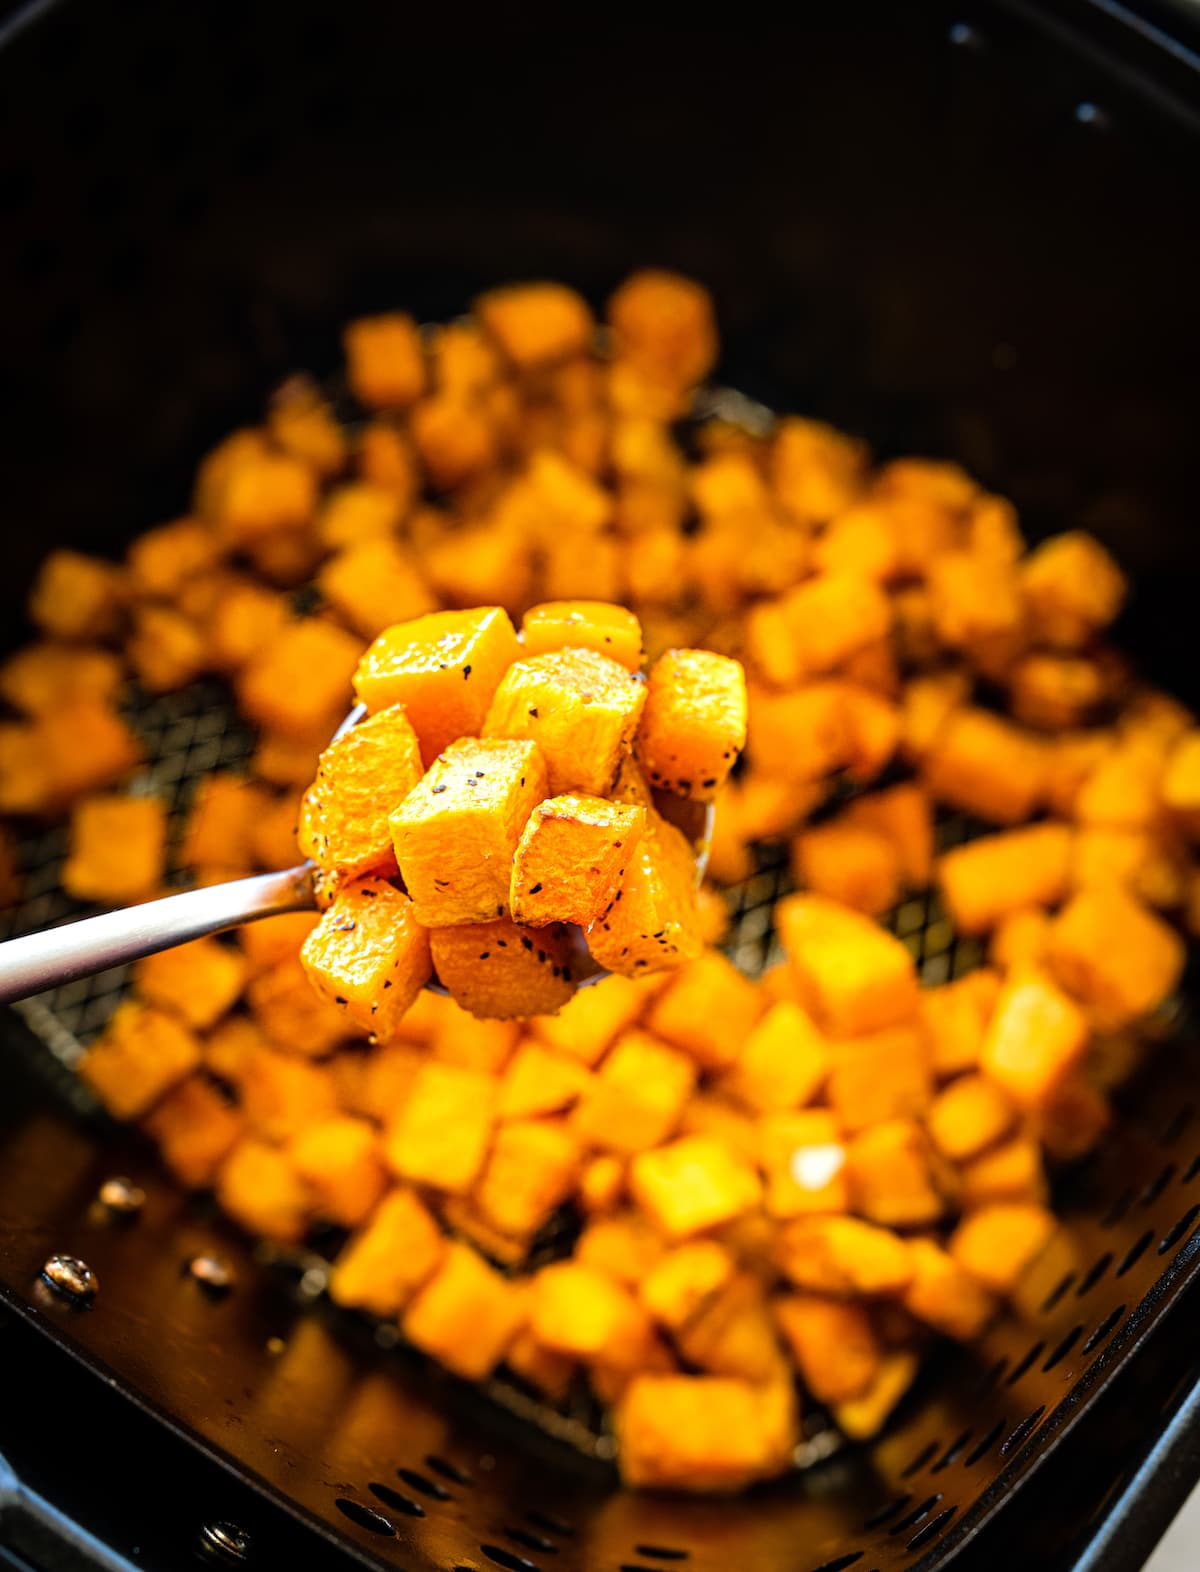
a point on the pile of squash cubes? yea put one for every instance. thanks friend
(785, 1186)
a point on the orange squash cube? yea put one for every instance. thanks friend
(358, 512)
(625, 1247)
(999, 1243)
(636, 1098)
(393, 1254)
(693, 728)
(281, 1094)
(653, 923)
(1056, 691)
(273, 834)
(987, 766)
(891, 1175)
(1118, 959)
(220, 821)
(500, 969)
(275, 939)
(833, 1344)
(535, 325)
(466, 1315)
(360, 778)
(850, 864)
(588, 1025)
(843, 1256)
(1124, 790)
(455, 438)
(459, 1038)
(368, 955)
(735, 1334)
(783, 1063)
(81, 748)
(903, 815)
(541, 1368)
(803, 1157)
(1073, 589)
(955, 1017)
(375, 583)
(385, 361)
(1180, 786)
(162, 560)
(991, 878)
(441, 1135)
(251, 493)
(1036, 1037)
(704, 1434)
(601, 1185)
(443, 668)
(708, 1009)
(580, 708)
(943, 1295)
(76, 596)
(1012, 1171)
(1072, 1121)
(46, 676)
(968, 1116)
(866, 1416)
(260, 1189)
(302, 423)
(976, 605)
(570, 859)
(117, 849)
(538, 1081)
(139, 1056)
(853, 976)
(663, 325)
(832, 616)
(584, 624)
(199, 981)
(533, 1168)
(291, 1012)
(684, 1281)
(927, 706)
(340, 1161)
(229, 1044)
(194, 1128)
(457, 830)
(693, 1184)
(579, 1310)
(816, 472)
(802, 735)
(1019, 940)
(299, 684)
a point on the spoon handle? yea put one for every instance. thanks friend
(38, 961)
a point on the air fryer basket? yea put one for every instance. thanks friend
(955, 232)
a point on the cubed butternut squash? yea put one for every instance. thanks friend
(339, 1159)
(999, 1243)
(396, 1250)
(198, 982)
(466, 1315)
(441, 1134)
(1037, 1035)
(986, 766)
(117, 849)
(139, 1056)
(704, 1433)
(693, 728)
(299, 683)
(1116, 957)
(194, 1128)
(259, 1187)
(854, 977)
(571, 857)
(783, 1063)
(833, 1344)
(693, 1184)
(532, 1169)
(500, 969)
(850, 864)
(584, 624)
(637, 1096)
(368, 955)
(989, 879)
(385, 361)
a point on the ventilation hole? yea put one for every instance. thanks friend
(917, 1515)
(1192, 1169)
(919, 1462)
(1117, 1210)
(1064, 1348)
(662, 1552)
(878, 1519)
(991, 1377)
(984, 1446)
(1013, 1441)
(633, 1566)
(1177, 1230)
(448, 1470)
(427, 1487)
(1102, 1331)
(364, 1516)
(522, 1536)
(1156, 1186)
(950, 1455)
(396, 1499)
(1177, 1125)
(1097, 1271)
(552, 1524)
(1035, 1352)
(1134, 1253)
(840, 1563)
(931, 1529)
(508, 1558)
(1056, 1294)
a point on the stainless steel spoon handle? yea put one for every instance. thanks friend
(38, 961)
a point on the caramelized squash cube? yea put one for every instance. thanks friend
(853, 976)
(588, 1025)
(601, 1185)
(117, 849)
(987, 766)
(850, 864)
(685, 1281)
(783, 1063)
(539, 1081)
(291, 1012)
(708, 1009)
(955, 1017)
(866, 1416)
(281, 1094)
(1036, 1037)
(969, 1115)
(368, 955)
(457, 830)
(580, 708)
(584, 624)
(1012, 1171)
(229, 1044)
(459, 1038)
(259, 1187)
(441, 1135)
(533, 1168)
(500, 969)
(302, 423)
(571, 857)
(705, 1434)
(195, 1129)
(1073, 589)
(891, 1175)
(944, 1296)
(199, 981)
(579, 1310)
(625, 1247)
(991, 878)
(375, 583)
(693, 1184)
(361, 778)
(393, 1254)
(456, 439)
(693, 728)
(76, 596)
(385, 361)
(663, 325)
(274, 939)
(1019, 940)
(999, 1243)
(467, 1315)
(653, 923)
(220, 822)
(1116, 957)
(46, 676)
(637, 1096)
(340, 1161)
(803, 1157)
(82, 747)
(536, 324)
(444, 670)
(356, 513)
(903, 815)
(139, 1056)
(843, 1256)
(833, 1344)
(299, 684)
(735, 1335)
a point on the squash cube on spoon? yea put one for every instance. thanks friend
(498, 969)
(360, 778)
(369, 955)
(570, 859)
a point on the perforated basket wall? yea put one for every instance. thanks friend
(910, 231)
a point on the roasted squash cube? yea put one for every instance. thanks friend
(456, 832)
(251, 493)
(832, 616)
(943, 1295)
(220, 822)
(141, 1054)
(803, 1157)
(194, 1128)
(783, 1063)
(833, 1344)
(865, 1416)
(584, 624)
(1036, 1037)
(82, 747)
(302, 423)
(708, 1009)
(499, 969)
(694, 1184)
(459, 1038)
(441, 1135)
(1119, 959)
(228, 1045)
(198, 981)
(579, 1310)
(533, 1168)
(340, 1161)
(663, 324)
(685, 1280)
(854, 976)
(385, 361)
(456, 439)
(396, 1250)
(77, 597)
(356, 513)
(735, 1334)
(274, 939)
(539, 1081)
(904, 817)
(601, 1185)
(375, 583)
(848, 863)
(291, 1012)
(653, 923)
(570, 859)
(987, 766)
(989, 879)
(843, 1256)
(1071, 1123)
(162, 560)
(547, 1372)
(637, 1096)
(443, 668)
(46, 676)
(361, 778)
(1073, 589)
(581, 709)
(968, 1116)
(369, 955)
(955, 1017)
(117, 849)
(704, 1433)
(536, 325)
(299, 684)
(625, 1247)
(273, 842)
(259, 1187)
(467, 1315)
(891, 1175)
(1019, 940)
(281, 1094)
(693, 727)
(999, 1243)
(1012, 1171)
(587, 1026)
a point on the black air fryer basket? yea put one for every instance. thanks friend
(971, 233)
